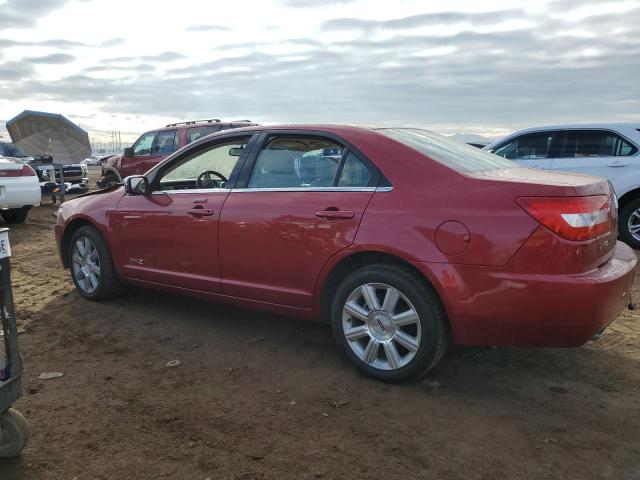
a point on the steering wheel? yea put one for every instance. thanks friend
(204, 180)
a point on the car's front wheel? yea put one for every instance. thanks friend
(92, 266)
(629, 223)
(109, 180)
(389, 323)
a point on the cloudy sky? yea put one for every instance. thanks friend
(486, 66)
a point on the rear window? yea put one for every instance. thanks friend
(10, 150)
(194, 133)
(453, 154)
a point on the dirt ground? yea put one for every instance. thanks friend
(263, 397)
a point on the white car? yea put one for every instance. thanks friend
(19, 190)
(92, 161)
(609, 150)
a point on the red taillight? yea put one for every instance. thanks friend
(573, 218)
(27, 171)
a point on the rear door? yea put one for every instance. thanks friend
(596, 152)
(299, 201)
(532, 150)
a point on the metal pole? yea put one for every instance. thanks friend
(10, 374)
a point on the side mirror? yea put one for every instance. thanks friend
(136, 185)
(128, 152)
(235, 151)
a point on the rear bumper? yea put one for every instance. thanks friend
(19, 192)
(493, 306)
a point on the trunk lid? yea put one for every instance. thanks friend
(10, 167)
(545, 183)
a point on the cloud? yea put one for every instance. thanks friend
(312, 3)
(159, 58)
(53, 59)
(565, 5)
(56, 43)
(25, 13)
(550, 68)
(424, 20)
(112, 42)
(207, 28)
(14, 71)
(142, 68)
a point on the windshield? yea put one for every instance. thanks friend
(13, 151)
(453, 154)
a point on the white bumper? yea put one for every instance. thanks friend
(18, 192)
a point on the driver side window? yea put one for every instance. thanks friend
(143, 145)
(207, 168)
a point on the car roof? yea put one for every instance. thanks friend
(626, 128)
(196, 124)
(610, 125)
(335, 128)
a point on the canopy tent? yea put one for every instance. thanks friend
(44, 134)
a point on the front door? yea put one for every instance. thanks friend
(170, 235)
(302, 203)
(134, 163)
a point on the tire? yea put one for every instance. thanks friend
(626, 214)
(110, 179)
(91, 265)
(15, 215)
(14, 433)
(408, 345)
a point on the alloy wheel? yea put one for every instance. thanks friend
(633, 225)
(381, 326)
(85, 261)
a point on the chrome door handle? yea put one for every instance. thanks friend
(617, 164)
(200, 212)
(334, 214)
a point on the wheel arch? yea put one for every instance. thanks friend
(628, 197)
(354, 260)
(72, 228)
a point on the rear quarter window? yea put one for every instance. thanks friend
(458, 156)
(194, 133)
(595, 143)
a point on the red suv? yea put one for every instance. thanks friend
(153, 147)
(403, 240)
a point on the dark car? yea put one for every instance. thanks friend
(403, 240)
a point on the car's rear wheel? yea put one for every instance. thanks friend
(629, 223)
(92, 266)
(389, 323)
(15, 215)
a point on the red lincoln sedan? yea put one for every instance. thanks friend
(403, 240)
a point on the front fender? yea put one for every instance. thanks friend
(91, 209)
